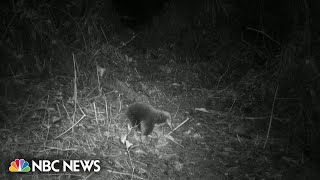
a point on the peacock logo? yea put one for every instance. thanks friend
(19, 165)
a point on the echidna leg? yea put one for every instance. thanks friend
(143, 128)
(159, 131)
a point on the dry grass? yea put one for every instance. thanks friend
(69, 123)
(229, 119)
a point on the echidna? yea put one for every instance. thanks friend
(145, 117)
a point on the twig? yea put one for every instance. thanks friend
(25, 105)
(65, 109)
(104, 35)
(94, 55)
(120, 104)
(124, 44)
(259, 31)
(58, 110)
(99, 83)
(87, 177)
(271, 116)
(14, 76)
(132, 166)
(8, 26)
(84, 115)
(126, 174)
(178, 126)
(74, 90)
(48, 148)
(222, 76)
(95, 112)
(48, 122)
(171, 139)
(106, 107)
(238, 138)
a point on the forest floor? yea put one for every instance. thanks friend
(76, 111)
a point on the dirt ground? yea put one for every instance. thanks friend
(217, 135)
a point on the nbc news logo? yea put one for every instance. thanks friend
(20, 165)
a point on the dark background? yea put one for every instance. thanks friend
(259, 57)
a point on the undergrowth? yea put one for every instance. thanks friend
(66, 82)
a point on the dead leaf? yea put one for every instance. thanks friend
(187, 132)
(123, 138)
(55, 119)
(202, 110)
(139, 151)
(128, 144)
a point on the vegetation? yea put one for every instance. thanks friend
(241, 82)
